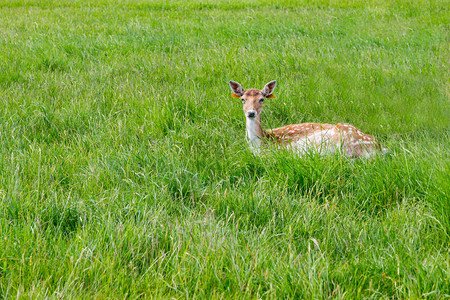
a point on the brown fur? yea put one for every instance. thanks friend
(352, 141)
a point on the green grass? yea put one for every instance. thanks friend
(125, 172)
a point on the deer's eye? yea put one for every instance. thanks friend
(261, 100)
(243, 100)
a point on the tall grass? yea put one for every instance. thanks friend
(125, 172)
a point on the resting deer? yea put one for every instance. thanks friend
(305, 137)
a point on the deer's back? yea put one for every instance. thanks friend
(325, 138)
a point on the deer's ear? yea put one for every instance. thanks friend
(270, 96)
(268, 89)
(237, 89)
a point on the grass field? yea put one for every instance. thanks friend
(124, 167)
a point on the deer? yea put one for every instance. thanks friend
(305, 137)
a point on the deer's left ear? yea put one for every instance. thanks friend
(237, 89)
(268, 89)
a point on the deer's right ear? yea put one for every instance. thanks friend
(237, 89)
(268, 89)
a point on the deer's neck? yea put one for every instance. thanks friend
(254, 133)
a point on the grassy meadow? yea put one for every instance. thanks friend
(124, 167)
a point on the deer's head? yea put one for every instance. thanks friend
(253, 99)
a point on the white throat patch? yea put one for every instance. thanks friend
(254, 140)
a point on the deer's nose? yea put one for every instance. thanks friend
(251, 113)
